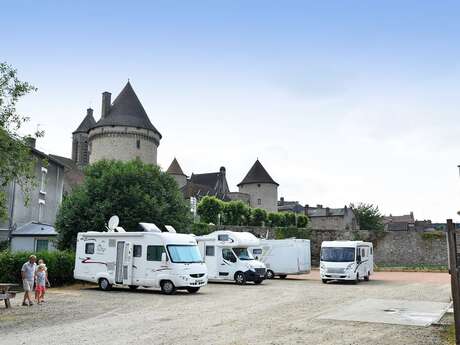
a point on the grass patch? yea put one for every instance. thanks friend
(411, 268)
(433, 235)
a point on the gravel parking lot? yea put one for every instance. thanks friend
(276, 312)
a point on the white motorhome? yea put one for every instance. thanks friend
(346, 260)
(227, 257)
(148, 258)
(284, 257)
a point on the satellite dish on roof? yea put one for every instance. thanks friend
(113, 223)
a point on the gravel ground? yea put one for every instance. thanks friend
(276, 312)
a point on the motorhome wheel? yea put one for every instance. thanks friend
(240, 278)
(257, 282)
(356, 281)
(193, 289)
(325, 281)
(167, 287)
(270, 274)
(133, 287)
(366, 278)
(104, 284)
(283, 276)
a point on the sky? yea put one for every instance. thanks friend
(341, 101)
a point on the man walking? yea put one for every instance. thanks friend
(28, 277)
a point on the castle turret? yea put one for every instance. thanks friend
(262, 189)
(80, 154)
(124, 131)
(176, 171)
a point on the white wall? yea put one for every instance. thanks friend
(25, 243)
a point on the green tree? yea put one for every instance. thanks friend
(209, 209)
(275, 219)
(16, 163)
(289, 219)
(368, 216)
(302, 221)
(236, 212)
(134, 191)
(258, 216)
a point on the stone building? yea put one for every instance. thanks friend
(290, 206)
(325, 218)
(176, 172)
(405, 222)
(261, 188)
(124, 132)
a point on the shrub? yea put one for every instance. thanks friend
(302, 221)
(258, 216)
(200, 229)
(60, 266)
(289, 232)
(289, 219)
(3, 245)
(275, 219)
(209, 208)
(236, 213)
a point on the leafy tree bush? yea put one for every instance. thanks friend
(275, 219)
(200, 229)
(369, 216)
(60, 266)
(134, 191)
(236, 213)
(209, 209)
(292, 231)
(302, 221)
(289, 219)
(258, 217)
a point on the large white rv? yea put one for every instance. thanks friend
(227, 256)
(346, 260)
(148, 258)
(284, 257)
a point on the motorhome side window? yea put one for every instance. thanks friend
(222, 237)
(89, 248)
(227, 254)
(137, 251)
(154, 253)
(257, 251)
(210, 250)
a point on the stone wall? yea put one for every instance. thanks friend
(267, 193)
(393, 248)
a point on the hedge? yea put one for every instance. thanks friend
(60, 266)
(289, 232)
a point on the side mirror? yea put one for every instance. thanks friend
(164, 259)
(358, 259)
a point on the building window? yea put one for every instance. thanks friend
(137, 251)
(41, 209)
(138, 143)
(154, 253)
(43, 181)
(210, 250)
(89, 248)
(41, 245)
(259, 201)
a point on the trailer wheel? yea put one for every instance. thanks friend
(270, 274)
(193, 289)
(167, 287)
(325, 281)
(133, 287)
(283, 276)
(366, 278)
(104, 284)
(240, 279)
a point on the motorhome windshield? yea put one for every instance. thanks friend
(184, 253)
(337, 254)
(243, 254)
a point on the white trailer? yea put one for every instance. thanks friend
(227, 257)
(148, 258)
(346, 260)
(284, 257)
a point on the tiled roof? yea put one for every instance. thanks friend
(34, 229)
(127, 110)
(257, 174)
(87, 123)
(175, 169)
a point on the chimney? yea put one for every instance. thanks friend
(319, 206)
(306, 209)
(328, 212)
(282, 201)
(89, 112)
(105, 103)
(345, 209)
(30, 141)
(222, 170)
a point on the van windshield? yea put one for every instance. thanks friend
(184, 253)
(243, 254)
(337, 254)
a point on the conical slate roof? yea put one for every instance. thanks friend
(257, 174)
(175, 169)
(87, 123)
(127, 110)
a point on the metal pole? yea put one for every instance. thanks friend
(454, 279)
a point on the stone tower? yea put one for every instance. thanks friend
(80, 154)
(124, 131)
(262, 189)
(176, 171)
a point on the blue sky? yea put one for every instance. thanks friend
(343, 101)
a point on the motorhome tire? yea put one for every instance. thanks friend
(283, 276)
(259, 281)
(270, 274)
(133, 287)
(192, 289)
(167, 287)
(366, 278)
(325, 281)
(104, 284)
(356, 281)
(240, 278)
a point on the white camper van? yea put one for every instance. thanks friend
(148, 258)
(227, 256)
(346, 260)
(284, 257)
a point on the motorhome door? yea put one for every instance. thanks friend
(227, 264)
(128, 264)
(119, 262)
